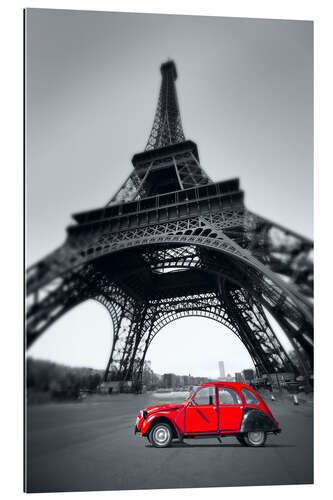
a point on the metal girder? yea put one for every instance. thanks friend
(192, 240)
(189, 173)
(265, 348)
(167, 127)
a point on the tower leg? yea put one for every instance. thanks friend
(130, 345)
(117, 323)
(256, 333)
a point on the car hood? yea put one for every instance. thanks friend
(166, 407)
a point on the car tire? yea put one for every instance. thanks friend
(160, 435)
(241, 440)
(256, 438)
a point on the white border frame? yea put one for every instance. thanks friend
(12, 231)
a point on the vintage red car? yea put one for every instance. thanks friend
(213, 409)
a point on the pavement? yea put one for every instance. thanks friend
(90, 445)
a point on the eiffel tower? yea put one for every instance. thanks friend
(173, 243)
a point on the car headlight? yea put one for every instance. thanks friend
(142, 414)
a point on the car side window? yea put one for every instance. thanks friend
(205, 396)
(228, 396)
(250, 397)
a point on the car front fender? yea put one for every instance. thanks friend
(156, 416)
(255, 419)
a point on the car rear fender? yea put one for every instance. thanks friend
(255, 419)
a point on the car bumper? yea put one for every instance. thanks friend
(137, 432)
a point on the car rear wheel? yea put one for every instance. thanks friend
(161, 435)
(256, 438)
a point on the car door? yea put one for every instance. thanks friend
(230, 408)
(201, 413)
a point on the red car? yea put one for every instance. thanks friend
(214, 409)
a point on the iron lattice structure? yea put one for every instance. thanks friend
(172, 243)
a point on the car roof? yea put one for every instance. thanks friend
(235, 385)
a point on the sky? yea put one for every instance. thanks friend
(245, 89)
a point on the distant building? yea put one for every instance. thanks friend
(222, 370)
(239, 377)
(169, 380)
(249, 375)
(200, 380)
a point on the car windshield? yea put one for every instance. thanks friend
(191, 392)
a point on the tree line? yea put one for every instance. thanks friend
(59, 381)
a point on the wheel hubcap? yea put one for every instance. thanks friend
(161, 435)
(255, 437)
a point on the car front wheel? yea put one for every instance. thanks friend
(161, 435)
(257, 438)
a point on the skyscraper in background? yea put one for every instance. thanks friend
(221, 369)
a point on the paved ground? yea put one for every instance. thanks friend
(91, 446)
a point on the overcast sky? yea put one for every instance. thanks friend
(245, 89)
